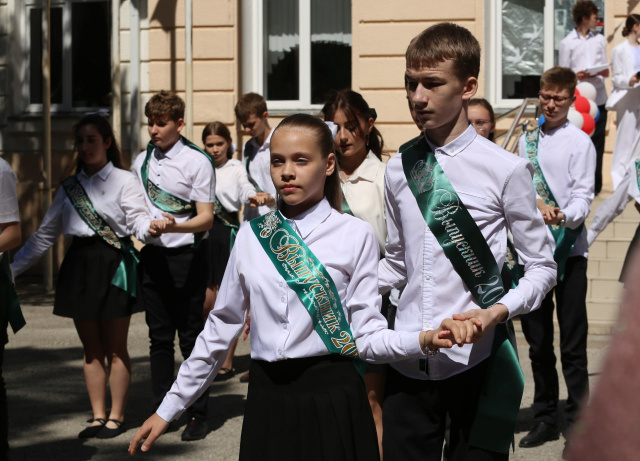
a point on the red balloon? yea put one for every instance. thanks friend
(577, 93)
(582, 105)
(589, 125)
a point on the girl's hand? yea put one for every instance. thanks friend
(152, 428)
(260, 199)
(484, 319)
(548, 212)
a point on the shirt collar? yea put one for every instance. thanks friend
(457, 145)
(308, 220)
(555, 130)
(368, 169)
(103, 174)
(589, 35)
(171, 153)
(267, 142)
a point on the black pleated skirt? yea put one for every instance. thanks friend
(311, 409)
(84, 290)
(218, 251)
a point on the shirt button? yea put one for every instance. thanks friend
(284, 325)
(280, 352)
(280, 284)
(282, 299)
(428, 277)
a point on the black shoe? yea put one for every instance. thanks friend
(196, 430)
(109, 433)
(92, 431)
(542, 432)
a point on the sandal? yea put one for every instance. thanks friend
(109, 433)
(225, 374)
(92, 431)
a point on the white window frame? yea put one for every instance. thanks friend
(253, 71)
(67, 65)
(493, 51)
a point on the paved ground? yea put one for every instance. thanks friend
(48, 403)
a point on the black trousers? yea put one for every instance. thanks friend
(415, 413)
(173, 283)
(4, 416)
(538, 329)
(598, 142)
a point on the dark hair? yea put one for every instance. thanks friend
(324, 138)
(103, 127)
(218, 129)
(355, 108)
(250, 103)
(442, 42)
(164, 105)
(560, 77)
(631, 21)
(484, 103)
(583, 9)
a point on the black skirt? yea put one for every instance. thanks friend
(84, 290)
(311, 409)
(218, 251)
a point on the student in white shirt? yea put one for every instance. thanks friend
(303, 402)
(358, 145)
(482, 117)
(580, 50)
(178, 182)
(625, 99)
(233, 190)
(442, 65)
(564, 181)
(10, 237)
(85, 289)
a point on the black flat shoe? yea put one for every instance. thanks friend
(540, 434)
(196, 430)
(224, 374)
(92, 431)
(109, 433)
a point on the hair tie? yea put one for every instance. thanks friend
(333, 128)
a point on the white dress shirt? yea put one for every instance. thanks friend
(8, 196)
(580, 53)
(281, 327)
(116, 197)
(568, 160)
(260, 172)
(609, 209)
(496, 188)
(233, 188)
(364, 191)
(622, 69)
(183, 172)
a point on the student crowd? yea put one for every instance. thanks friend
(342, 264)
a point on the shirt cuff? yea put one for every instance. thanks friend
(411, 344)
(514, 302)
(168, 411)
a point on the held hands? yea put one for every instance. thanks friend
(260, 199)
(162, 226)
(152, 428)
(483, 319)
(450, 332)
(633, 80)
(551, 215)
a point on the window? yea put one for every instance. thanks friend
(80, 54)
(296, 51)
(523, 41)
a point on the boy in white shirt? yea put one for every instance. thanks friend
(564, 158)
(581, 49)
(451, 196)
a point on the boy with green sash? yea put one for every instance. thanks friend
(10, 313)
(179, 182)
(564, 161)
(451, 196)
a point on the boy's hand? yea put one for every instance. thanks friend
(548, 212)
(152, 428)
(162, 226)
(484, 319)
(450, 332)
(582, 74)
(260, 199)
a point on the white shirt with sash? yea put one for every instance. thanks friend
(116, 197)
(8, 195)
(496, 187)
(580, 53)
(568, 160)
(183, 172)
(233, 188)
(281, 327)
(260, 171)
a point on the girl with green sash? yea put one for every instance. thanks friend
(315, 316)
(100, 207)
(233, 190)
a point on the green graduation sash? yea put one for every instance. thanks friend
(564, 237)
(345, 205)
(306, 275)
(125, 277)
(638, 172)
(511, 264)
(9, 301)
(166, 201)
(466, 248)
(227, 218)
(249, 150)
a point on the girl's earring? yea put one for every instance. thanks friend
(366, 141)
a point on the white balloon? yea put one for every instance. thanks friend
(575, 117)
(593, 109)
(587, 90)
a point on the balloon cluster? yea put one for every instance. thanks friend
(584, 113)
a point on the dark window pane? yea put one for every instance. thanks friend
(330, 47)
(35, 55)
(281, 52)
(91, 54)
